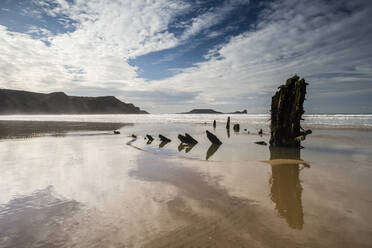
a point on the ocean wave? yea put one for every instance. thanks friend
(363, 121)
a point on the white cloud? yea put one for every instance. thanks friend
(313, 39)
(42, 33)
(27, 63)
(291, 37)
(95, 54)
(211, 18)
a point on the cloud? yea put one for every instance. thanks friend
(166, 98)
(290, 37)
(41, 33)
(327, 42)
(95, 54)
(210, 18)
(153, 99)
(106, 34)
(27, 63)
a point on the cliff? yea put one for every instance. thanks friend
(24, 102)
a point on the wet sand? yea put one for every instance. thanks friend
(87, 190)
(27, 129)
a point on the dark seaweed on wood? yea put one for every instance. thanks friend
(164, 139)
(187, 139)
(286, 113)
(213, 138)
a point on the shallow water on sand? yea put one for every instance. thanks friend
(95, 189)
(313, 120)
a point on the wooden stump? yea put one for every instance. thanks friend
(163, 138)
(228, 123)
(286, 113)
(236, 127)
(187, 139)
(213, 138)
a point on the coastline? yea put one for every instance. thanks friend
(349, 121)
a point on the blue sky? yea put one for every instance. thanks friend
(171, 55)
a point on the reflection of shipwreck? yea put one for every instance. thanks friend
(211, 150)
(187, 147)
(286, 189)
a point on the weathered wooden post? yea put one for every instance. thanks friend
(214, 124)
(163, 138)
(228, 123)
(236, 127)
(286, 113)
(149, 139)
(213, 138)
(187, 139)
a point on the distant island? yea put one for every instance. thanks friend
(239, 112)
(212, 111)
(202, 111)
(24, 102)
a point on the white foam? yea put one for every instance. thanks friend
(312, 120)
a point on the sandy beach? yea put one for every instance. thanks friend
(11, 129)
(90, 188)
(185, 124)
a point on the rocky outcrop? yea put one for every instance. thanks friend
(240, 112)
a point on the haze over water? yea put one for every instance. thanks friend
(312, 120)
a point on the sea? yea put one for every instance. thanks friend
(358, 121)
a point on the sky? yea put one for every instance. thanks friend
(169, 56)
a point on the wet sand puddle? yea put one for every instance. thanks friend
(98, 191)
(217, 218)
(214, 217)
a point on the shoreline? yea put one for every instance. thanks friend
(13, 129)
(346, 122)
(94, 184)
